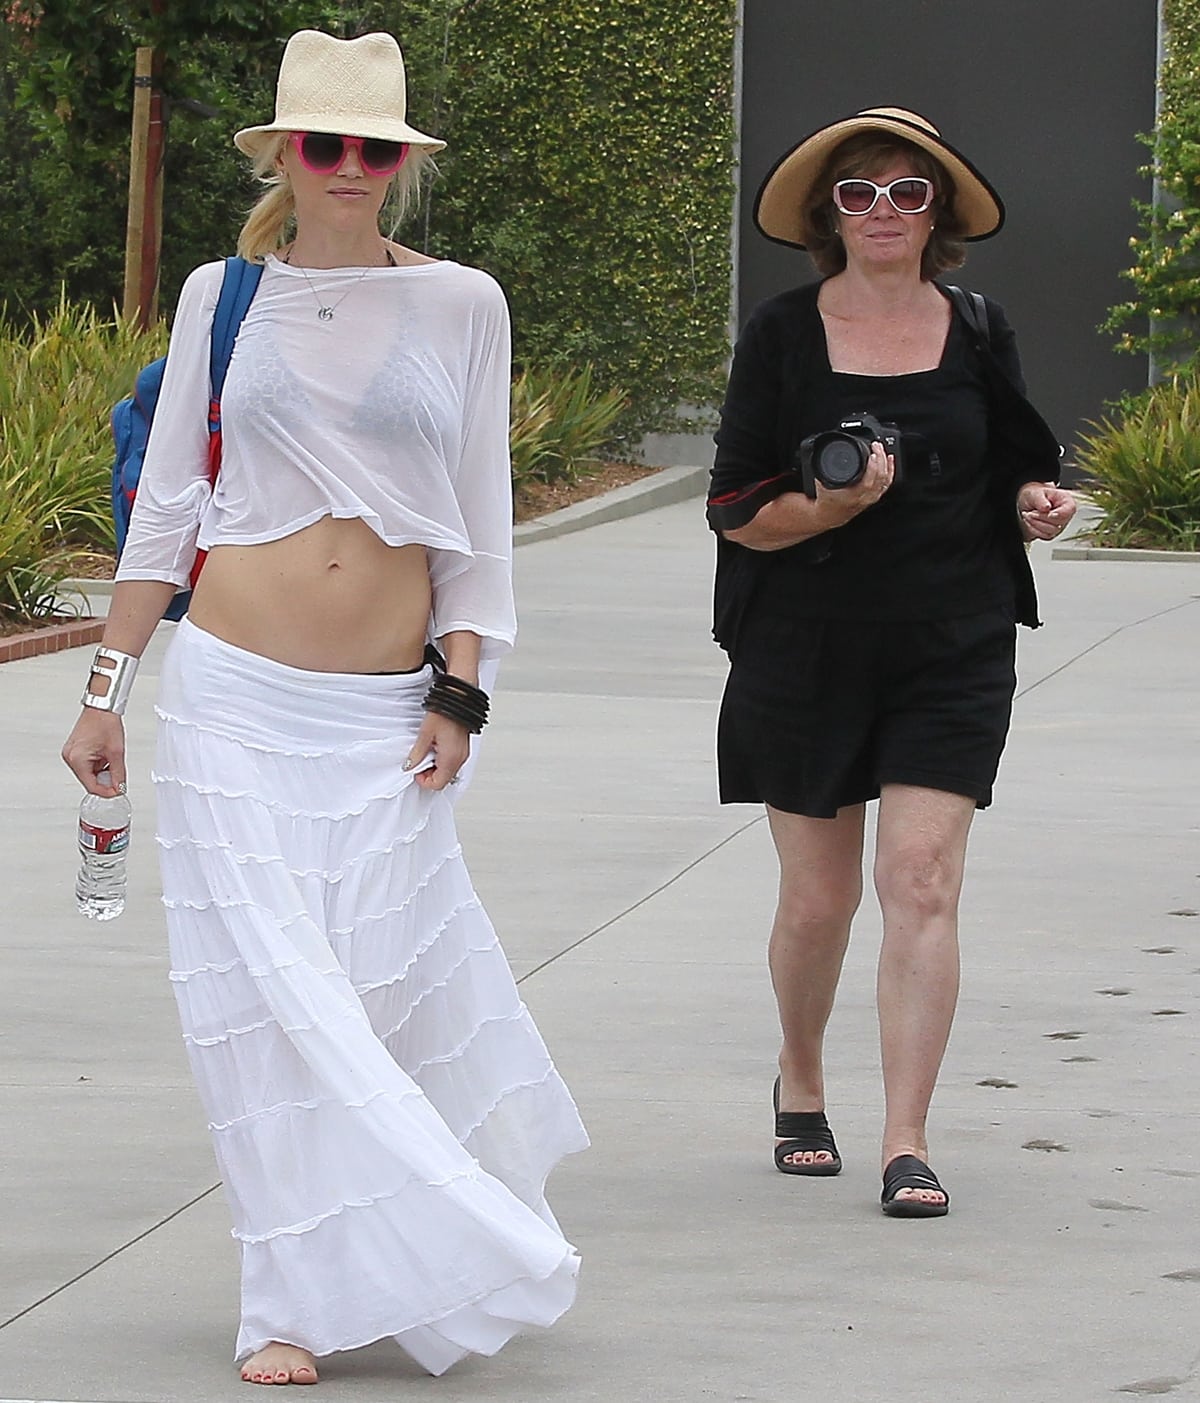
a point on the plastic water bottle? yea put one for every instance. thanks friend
(103, 843)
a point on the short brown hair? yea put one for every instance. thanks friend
(867, 154)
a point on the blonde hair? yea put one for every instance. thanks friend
(272, 218)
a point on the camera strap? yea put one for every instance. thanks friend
(973, 309)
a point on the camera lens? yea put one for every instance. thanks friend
(840, 461)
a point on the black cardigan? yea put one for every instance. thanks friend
(757, 442)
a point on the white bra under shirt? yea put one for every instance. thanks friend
(395, 411)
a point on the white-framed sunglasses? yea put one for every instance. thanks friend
(908, 195)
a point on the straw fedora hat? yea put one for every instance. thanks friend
(351, 87)
(779, 206)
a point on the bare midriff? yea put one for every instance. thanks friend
(332, 597)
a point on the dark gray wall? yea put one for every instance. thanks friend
(1044, 96)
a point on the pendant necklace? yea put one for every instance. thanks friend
(324, 310)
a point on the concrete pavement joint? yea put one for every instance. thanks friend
(641, 901)
(95, 1266)
(1108, 637)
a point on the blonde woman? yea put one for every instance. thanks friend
(383, 1109)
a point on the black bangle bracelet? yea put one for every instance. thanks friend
(458, 701)
(453, 706)
(469, 720)
(463, 693)
(447, 682)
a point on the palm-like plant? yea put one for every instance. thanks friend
(1142, 467)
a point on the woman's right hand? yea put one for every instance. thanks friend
(845, 503)
(793, 517)
(97, 744)
(98, 741)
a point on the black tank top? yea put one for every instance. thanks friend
(930, 548)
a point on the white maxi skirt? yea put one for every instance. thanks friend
(383, 1109)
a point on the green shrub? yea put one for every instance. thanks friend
(33, 561)
(559, 421)
(1142, 469)
(59, 378)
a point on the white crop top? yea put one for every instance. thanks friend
(395, 412)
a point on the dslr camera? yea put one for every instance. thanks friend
(838, 457)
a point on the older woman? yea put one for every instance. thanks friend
(877, 477)
(383, 1110)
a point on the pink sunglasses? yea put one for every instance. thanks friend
(323, 152)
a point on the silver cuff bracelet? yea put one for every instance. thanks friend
(118, 670)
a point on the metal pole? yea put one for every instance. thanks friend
(735, 232)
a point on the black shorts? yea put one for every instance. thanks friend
(819, 714)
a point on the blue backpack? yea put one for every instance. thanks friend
(132, 417)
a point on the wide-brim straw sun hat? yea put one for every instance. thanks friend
(784, 194)
(350, 87)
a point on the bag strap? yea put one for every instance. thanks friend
(239, 283)
(973, 309)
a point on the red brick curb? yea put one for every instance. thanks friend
(73, 634)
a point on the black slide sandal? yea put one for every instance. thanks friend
(800, 1131)
(909, 1172)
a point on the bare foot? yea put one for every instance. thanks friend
(280, 1364)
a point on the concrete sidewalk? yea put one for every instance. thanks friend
(635, 910)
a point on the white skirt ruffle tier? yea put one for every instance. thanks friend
(383, 1109)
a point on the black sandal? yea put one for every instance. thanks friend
(799, 1131)
(909, 1172)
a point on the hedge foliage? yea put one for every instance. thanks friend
(1141, 467)
(68, 83)
(589, 165)
(591, 172)
(1163, 316)
(60, 374)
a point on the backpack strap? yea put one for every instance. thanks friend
(239, 283)
(973, 309)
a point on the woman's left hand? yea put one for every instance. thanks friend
(1045, 510)
(447, 742)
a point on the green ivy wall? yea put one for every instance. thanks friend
(1163, 315)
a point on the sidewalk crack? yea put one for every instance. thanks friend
(1108, 637)
(116, 1252)
(642, 900)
